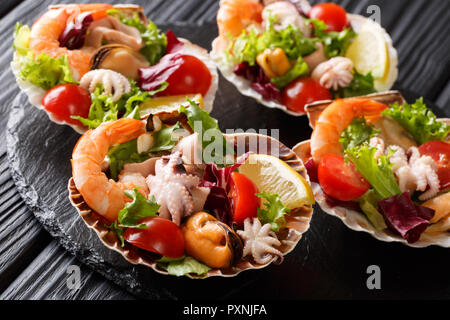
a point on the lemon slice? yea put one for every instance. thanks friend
(369, 51)
(168, 103)
(273, 175)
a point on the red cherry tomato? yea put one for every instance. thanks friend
(302, 91)
(244, 201)
(67, 100)
(440, 152)
(340, 180)
(161, 236)
(334, 16)
(191, 77)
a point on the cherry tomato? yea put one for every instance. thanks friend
(191, 77)
(244, 201)
(161, 236)
(67, 100)
(440, 152)
(302, 91)
(334, 16)
(340, 180)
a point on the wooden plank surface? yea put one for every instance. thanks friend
(34, 266)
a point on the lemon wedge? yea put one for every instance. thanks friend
(168, 103)
(369, 51)
(273, 175)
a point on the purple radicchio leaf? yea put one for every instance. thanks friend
(151, 78)
(173, 44)
(217, 180)
(75, 31)
(405, 217)
(259, 81)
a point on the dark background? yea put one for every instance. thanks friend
(328, 263)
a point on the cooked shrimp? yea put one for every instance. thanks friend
(335, 118)
(103, 195)
(47, 29)
(236, 15)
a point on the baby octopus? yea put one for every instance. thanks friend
(175, 191)
(260, 241)
(416, 173)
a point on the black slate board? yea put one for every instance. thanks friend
(329, 262)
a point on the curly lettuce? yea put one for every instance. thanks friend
(378, 171)
(42, 71)
(183, 266)
(273, 212)
(359, 86)
(335, 43)
(298, 70)
(419, 121)
(247, 46)
(124, 153)
(357, 133)
(369, 205)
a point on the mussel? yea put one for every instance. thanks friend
(119, 58)
(211, 241)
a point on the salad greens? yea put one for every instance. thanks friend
(210, 137)
(273, 212)
(361, 85)
(249, 44)
(369, 205)
(378, 171)
(104, 109)
(154, 40)
(139, 208)
(183, 266)
(299, 69)
(163, 139)
(124, 153)
(335, 43)
(42, 71)
(357, 133)
(419, 121)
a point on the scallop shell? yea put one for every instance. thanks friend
(297, 222)
(353, 219)
(244, 87)
(35, 94)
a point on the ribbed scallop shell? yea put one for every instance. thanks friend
(297, 221)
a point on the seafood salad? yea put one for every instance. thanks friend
(85, 64)
(382, 165)
(172, 198)
(287, 54)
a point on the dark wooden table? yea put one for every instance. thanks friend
(34, 266)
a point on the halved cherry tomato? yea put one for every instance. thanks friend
(440, 152)
(341, 180)
(191, 77)
(334, 16)
(67, 100)
(161, 236)
(245, 203)
(302, 91)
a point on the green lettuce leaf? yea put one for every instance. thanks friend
(378, 171)
(163, 139)
(298, 70)
(361, 85)
(104, 109)
(211, 138)
(335, 43)
(273, 212)
(419, 121)
(118, 230)
(249, 43)
(42, 71)
(124, 153)
(185, 266)
(369, 205)
(154, 39)
(139, 208)
(357, 133)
